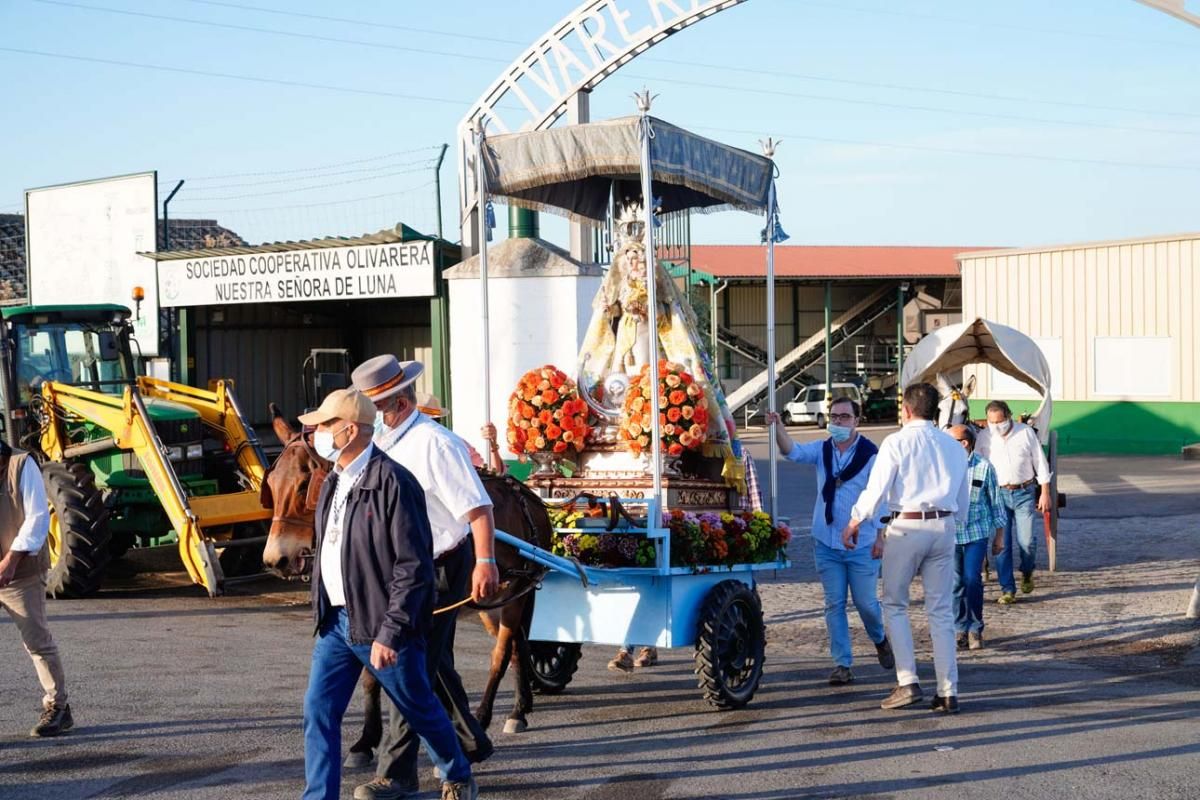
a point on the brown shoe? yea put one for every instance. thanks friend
(646, 657)
(974, 641)
(622, 662)
(841, 676)
(387, 789)
(55, 721)
(467, 790)
(945, 705)
(961, 641)
(902, 696)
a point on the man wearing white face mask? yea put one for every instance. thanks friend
(1024, 477)
(460, 514)
(372, 594)
(843, 463)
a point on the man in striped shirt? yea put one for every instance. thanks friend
(985, 518)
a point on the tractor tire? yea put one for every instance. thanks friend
(731, 642)
(79, 535)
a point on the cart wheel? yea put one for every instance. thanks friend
(730, 645)
(553, 664)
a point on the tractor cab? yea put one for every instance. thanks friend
(84, 346)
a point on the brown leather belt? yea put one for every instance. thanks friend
(939, 514)
(1012, 487)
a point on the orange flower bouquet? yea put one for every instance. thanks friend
(682, 418)
(546, 414)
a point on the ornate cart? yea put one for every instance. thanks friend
(589, 172)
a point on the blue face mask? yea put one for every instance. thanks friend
(840, 433)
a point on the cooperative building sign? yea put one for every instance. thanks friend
(359, 272)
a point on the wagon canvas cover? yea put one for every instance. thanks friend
(571, 170)
(982, 341)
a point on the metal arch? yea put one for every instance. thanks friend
(553, 43)
(1176, 8)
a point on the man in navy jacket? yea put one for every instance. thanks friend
(373, 589)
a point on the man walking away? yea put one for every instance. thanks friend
(985, 518)
(921, 473)
(373, 589)
(843, 462)
(24, 559)
(1024, 476)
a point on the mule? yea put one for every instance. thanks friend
(292, 487)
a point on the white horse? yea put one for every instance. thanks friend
(954, 408)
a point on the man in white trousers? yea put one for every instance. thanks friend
(921, 473)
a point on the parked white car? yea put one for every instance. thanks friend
(809, 404)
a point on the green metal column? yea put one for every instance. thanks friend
(439, 327)
(185, 357)
(828, 343)
(522, 223)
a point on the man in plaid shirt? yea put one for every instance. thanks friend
(986, 518)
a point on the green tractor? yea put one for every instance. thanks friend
(128, 460)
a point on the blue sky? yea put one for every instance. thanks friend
(905, 122)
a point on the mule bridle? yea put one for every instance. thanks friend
(306, 554)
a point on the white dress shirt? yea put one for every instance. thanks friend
(438, 458)
(334, 537)
(32, 533)
(918, 468)
(1017, 457)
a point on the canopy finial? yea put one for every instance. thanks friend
(769, 145)
(644, 99)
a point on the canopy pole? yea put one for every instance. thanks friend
(772, 234)
(647, 133)
(481, 193)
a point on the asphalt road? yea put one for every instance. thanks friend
(180, 696)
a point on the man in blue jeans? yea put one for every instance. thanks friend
(373, 588)
(843, 463)
(1024, 476)
(985, 517)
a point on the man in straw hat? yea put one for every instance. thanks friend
(460, 516)
(373, 592)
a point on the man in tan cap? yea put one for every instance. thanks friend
(373, 592)
(460, 516)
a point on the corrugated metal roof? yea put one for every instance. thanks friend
(401, 233)
(1176, 237)
(822, 262)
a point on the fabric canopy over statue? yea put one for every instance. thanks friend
(982, 341)
(583, 170)
(571, 170)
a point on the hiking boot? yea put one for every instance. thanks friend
(387, 789)
(883, 650)
(1027, 584)
(1007, 599)
(975, 640)
(55, 720)
(467, 790)
(841, 676)
(945, 705)
(961, 641)
(622, 662)
(647, 657)
(903, 696)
